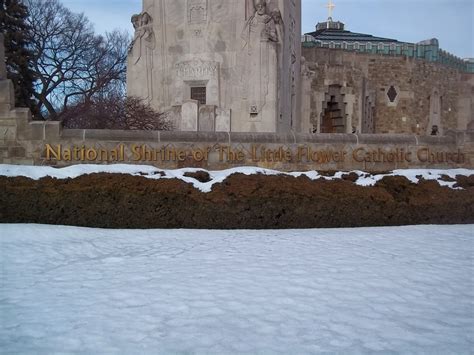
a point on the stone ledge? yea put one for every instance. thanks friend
(73, 134)
(334, 138)
(382, 139)
(436, 140)
(52, 130)
(193, 137)
(242, 137)
(117, 135)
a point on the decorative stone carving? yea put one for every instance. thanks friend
(260, 36)
(141, 53)
(144, 34)
(196, 69)
(197, 11)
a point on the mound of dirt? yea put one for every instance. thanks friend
(241, 201)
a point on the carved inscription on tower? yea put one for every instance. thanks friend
(196, 69)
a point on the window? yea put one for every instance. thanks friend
(199, 94)
(392, 94)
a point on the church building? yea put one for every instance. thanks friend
(360, 83)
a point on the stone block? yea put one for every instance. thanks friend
(189, 116)
(223, 120)
(7, 95)
(3, 152)
(7, 131)
(207, 118)
(36, 131)
(52, 130)
(16, 152)
(23, 161)
(78, 134)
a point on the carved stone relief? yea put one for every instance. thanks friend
(260, 36)
(197, 12)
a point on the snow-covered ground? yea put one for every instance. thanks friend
(365, 179)
(76, 290)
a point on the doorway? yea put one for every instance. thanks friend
(333, 120)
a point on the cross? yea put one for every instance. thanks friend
(330, 6)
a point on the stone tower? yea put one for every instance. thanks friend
(219, 65)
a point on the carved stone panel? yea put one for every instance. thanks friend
(197, 12)
(196, 70)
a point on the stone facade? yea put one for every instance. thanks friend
(241, 57)
(23, 141)
(373, 94)
(368, 93)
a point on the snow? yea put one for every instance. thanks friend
(365, 179)
(78, 290)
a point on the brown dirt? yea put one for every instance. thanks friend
(201, 176)
(257, 201)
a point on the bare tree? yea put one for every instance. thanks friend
(115, 112)
(72, 63)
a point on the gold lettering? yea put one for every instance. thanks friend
(50, 151)
(91, 154)
(136, 152)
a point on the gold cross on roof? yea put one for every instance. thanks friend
(330, 6)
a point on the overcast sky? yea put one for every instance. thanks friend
(451, 21)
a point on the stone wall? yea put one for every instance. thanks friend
(384, 94)
(23, 141)
(45, 143)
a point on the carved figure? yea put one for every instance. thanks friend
(144, 34)
(260, 37)
(141, 49)
(260, 27)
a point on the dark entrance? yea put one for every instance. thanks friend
(333, 120)
(199, 94)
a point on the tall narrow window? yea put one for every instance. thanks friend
(199, 94)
